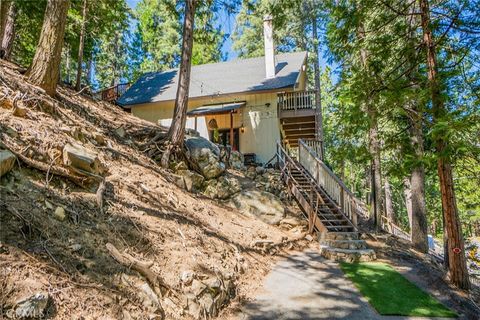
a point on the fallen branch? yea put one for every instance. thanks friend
(141, 267)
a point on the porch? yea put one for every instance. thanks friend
(298, 114)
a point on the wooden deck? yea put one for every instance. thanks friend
(297, 112)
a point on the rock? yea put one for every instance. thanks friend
(213, 283)
(251, 173)
(260, 204)
(204, 157)
(6, 104)
(150, 298)
(237, 160)
(260, 170)
(309, 237)
(193, 307)
(59, 214)
(80, 158)
(76, 247)
(32, 306)
(100, 139)
(187, 277)
(180, 166)
(178, 181)
(120, 131)
(222, 188)
(197, 287)
(192, 180)
(293, 221)
(12, 132)
(20, 110)
(220, 300)
(7, 161)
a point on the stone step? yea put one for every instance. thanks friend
(345, 244)
(347, 255)
(338, 236)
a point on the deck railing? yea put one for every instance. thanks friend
(333, 186)
(111, 94)
(296, 100)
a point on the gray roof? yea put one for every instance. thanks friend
(235, 76)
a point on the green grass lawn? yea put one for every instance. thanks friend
(390, 293)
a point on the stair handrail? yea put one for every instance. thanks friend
(348, 196)
(389, 226)
(334, 186)
(286, 160)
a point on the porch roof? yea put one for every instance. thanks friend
(216, 109)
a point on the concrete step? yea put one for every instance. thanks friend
(347, 255)
(345, 244)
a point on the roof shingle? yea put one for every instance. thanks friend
(241, 75)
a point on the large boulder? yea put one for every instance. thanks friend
(222, 188)
(7, 161)
(81, 159)
(204, 157)
(260, 204)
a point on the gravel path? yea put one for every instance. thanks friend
(306, 286)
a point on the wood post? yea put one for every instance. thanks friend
(231, 129)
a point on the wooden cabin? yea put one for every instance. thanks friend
(249, 104)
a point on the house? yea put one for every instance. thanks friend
(249, 104)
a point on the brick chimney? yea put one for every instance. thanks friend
(269, 47)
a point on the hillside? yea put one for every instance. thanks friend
(121, 245)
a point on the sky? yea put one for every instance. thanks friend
(226, 21)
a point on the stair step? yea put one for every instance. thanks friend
(347, 255)
(341, 228)
(345, 244)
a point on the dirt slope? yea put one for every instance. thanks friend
(143, 214)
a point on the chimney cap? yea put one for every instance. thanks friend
(267, 17)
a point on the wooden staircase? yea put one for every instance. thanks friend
(326, 203)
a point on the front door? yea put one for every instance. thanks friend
(222, 136)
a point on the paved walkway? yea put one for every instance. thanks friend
(306, 286)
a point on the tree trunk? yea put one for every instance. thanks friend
(318, 94)
(115, 67)
(177, 129)
(45, 68)
(78, 83)
(419, 227)
(8, 31)
(4, 4)
(67, 64)
(373, 142)
(374, 148)
(407, 193)
(455, 246)
(388, 201)
(89, 72)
